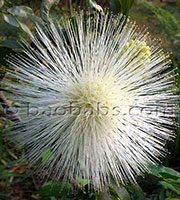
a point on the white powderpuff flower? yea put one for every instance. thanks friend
(97, 100)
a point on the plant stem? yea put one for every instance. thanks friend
(71, 9)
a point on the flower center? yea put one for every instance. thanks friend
(94, 97)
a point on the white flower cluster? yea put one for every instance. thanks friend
(97, 61)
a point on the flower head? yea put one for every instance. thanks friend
(100, 96)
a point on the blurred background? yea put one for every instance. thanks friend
(19, 182)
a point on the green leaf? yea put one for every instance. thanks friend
(5, 174)
(104, 196)
(167, 19)
(115, 6)
(55, 190)
(1, 3)
(170, 186)
(126, 6)
(34, 196)
(169, 178)
(115, 193)
(177, 35)
(52, 198)
(122, 6)
(169, 173)
(164, 172)
(120, 192)
(35, 19)
(82, 182)
(45, 8)
(25, 28)
(10, 44)
(47, 156)
(136, 192)
(21, 11)
(10, 20)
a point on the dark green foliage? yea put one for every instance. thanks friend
(115, 5)
(56, 190)
(122, 6)
(167, 20)
(4, 52)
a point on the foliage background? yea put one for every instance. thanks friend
(19, 182)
